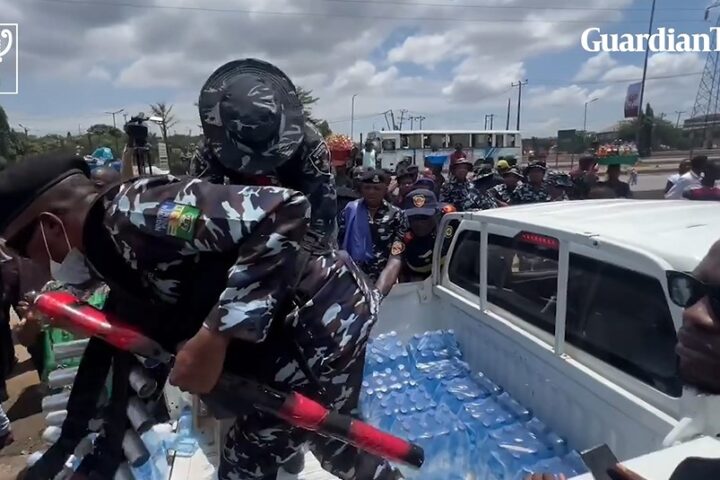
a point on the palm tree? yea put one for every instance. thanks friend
(162, 110)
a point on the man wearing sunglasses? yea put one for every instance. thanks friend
(699, 337)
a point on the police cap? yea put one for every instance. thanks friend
(375, 176)
(420, 203)
(23, 185)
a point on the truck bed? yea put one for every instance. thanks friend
(582, 406)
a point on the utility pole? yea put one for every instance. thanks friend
(507, 119)
(25, 129)
(387, 120)
(402, 117)
(113, 115)
(519, 84)
(117, 145)
(642, 84)
(125, 117)
(492, 120)
(677, 124)
(420, 119)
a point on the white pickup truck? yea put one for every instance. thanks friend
(566, 306)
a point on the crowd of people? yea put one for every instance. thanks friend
(270, 266)
(695, 180)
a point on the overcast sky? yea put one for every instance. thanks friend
(450, 61)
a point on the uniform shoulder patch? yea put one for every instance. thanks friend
(397, 248)
(177, 220)
(449, 231)
(418, 201)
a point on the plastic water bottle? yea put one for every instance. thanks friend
(445, 441)
(436, 372)
(410, 399)
(518, 411)
(571, 466)
(555, 442)
(482, 417)
(433, 346)
(457, 391)
(513, 448)
(185, 443)
(486, 383)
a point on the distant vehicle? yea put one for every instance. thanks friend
(418, 144)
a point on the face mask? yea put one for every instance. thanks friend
(72, 270)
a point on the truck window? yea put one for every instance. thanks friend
(622, 317)
(522, 279)
(464, 270)
(388, 145)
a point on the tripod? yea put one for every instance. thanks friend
(142, 158)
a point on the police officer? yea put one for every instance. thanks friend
(372, 231)
(534, 190)
(256, 130)
(459, 191)
(558, 185)
(424, 213)
(405, 175)
(220, 266)
(512, 180)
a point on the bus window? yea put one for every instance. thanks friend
(404, 141)
(482, 140)
(415, 141)
(388, 145)
(510, 140)
(499, 140)
(462, 139)
(435, 140)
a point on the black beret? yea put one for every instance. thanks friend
(375, 176)
(24, 181)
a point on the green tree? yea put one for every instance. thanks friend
(8, 139)
(308, 100)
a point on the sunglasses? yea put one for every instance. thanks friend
(686, 290)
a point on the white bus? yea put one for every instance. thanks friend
(417, 144)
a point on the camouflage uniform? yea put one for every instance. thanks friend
(502, 192)
(388, 228)
(478, 201)
(225, 256)
(463, 196)
(526, 193)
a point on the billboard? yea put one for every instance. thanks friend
(632, 101)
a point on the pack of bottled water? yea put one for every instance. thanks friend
(469, 427)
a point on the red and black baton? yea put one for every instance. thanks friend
(232, 392)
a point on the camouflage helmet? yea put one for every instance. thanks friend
(559, 179)
(251, 116)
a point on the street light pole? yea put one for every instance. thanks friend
(677, 124)
(113, 115)
(585, 119)
(352, 118)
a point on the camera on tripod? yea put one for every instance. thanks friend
(137, 131)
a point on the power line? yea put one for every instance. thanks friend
(513, 7)
(353, 15)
